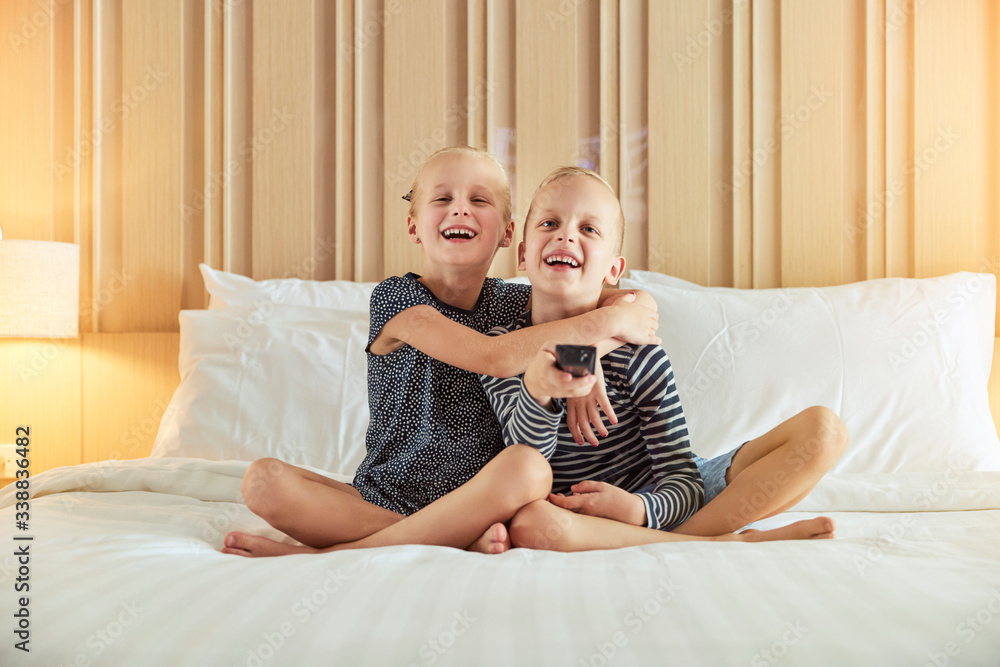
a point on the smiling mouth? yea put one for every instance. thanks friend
(458, 233)
(563, 260)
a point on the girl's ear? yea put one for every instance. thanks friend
(508, 235)
(615, 272)
(521, 266)
(411, 228)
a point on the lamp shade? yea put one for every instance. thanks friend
(39, 289)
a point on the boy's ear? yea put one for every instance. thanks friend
(615, 272)
(521, 265)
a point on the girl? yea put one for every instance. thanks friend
(436, 471)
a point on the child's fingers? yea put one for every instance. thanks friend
(587, 486)
(594, 416)
(572, 503)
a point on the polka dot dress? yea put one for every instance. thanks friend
(432, 427)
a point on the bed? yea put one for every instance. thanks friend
(125, 567)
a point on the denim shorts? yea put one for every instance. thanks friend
(713, 472)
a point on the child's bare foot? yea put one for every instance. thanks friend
(819, 528)
(255, 546)
(495, 540)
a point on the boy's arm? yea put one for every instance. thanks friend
(427, 330)
(522, 419)
(679, 490)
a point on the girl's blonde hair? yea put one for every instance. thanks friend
(565, 172)
(505, 206)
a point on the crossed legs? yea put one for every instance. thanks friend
(327, 516)
(767, 476)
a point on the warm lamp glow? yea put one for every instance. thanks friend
(39, 289)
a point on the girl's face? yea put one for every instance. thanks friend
(458, 217)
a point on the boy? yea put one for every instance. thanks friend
(643, 475)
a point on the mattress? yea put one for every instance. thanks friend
(125, 569)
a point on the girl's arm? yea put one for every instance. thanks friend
(427, 330)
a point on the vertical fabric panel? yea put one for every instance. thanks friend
(812, 143)
(369, 110)
(680, 168)
(217, 177)
(282, 147)
(870, 221)
(897, 198)
(950, 157)
(501, 109)
(26, 183)
(547, 78)
(740, 174)
(83, 194)
(237, 111)
(415, 123)
(344, 142)
(763, 171)
(152, 125)
(195, 171)
(633, 141)
(109, 279)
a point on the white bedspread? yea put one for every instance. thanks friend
(125, 570)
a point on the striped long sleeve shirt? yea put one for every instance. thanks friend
(647, 448)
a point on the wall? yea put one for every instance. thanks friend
(754, 144)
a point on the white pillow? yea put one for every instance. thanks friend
(905, 363)
(230, 289)
(282, 381)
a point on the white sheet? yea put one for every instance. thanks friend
(128, 572)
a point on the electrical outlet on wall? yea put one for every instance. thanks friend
(8, 460)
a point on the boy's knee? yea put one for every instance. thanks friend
(830, 436)
(530, 471)
(533, 526)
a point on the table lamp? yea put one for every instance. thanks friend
(39, 289)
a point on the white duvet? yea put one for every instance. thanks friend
(125, 570)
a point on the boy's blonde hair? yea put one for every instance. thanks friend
(505, 205)
(565, 172)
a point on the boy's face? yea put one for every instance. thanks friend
(458, 217)
(569, 246)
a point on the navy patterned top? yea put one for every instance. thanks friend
(646, 453)
(432, 427)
